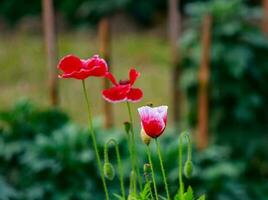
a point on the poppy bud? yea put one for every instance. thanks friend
(145, 138)
(188, 168)
(108, 170)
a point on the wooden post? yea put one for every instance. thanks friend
(105, 51)
(174, 31)
(51, 49)
(203, 110)
(265, 15)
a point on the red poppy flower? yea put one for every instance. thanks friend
(123, 91)
(74, 67)
(153, 120)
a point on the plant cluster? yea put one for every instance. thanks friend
(56, 157)
(153, 124)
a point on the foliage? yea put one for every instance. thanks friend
(82, 11)
(40, 155)
(45, 156)
(238, 67)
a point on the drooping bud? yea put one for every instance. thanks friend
(108, 170)
(145, 138)
(188, 169)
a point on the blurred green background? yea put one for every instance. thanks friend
(45, 152)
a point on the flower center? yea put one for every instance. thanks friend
(124, 82)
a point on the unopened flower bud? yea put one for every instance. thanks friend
(188, 168)
(145, 138)
(108, 170)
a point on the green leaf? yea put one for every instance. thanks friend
(203, 197)
(189, 194)
(146, 193)
(118, 197)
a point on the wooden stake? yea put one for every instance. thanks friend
(174, 31)
(202, 134)
(105, 51)
(265, 20)
(51, 49)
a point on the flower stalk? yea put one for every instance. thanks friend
(181, 184)
(93, 137)
(133, 147)
(162, 168)
(188, 165)
(119, 163)
(152, 170)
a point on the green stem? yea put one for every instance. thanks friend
(133, 187)
(120, 168)
(92, 133)
(149, 182)
(162, 168)
(152, 170)
(133, 147)
(180, 169)
(189, 146)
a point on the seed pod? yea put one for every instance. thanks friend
(108, 170)
(145, 138)
(188, 169)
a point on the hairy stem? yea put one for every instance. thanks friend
(181, 189)
(120, 168)
(162, 168)
(152, 170)
(133, 147)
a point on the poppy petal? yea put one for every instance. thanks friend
(151, 121)
(111, 77)
(70, 63)
(116, 94)
(98, 66)
(135, 95)
(162, 110)
(133, 75)
(81, 74)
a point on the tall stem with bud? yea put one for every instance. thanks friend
(133, 147)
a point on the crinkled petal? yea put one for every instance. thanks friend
(70, 63)
(133, 75)
(116, 94)
(135, 95)
(162, 110)
(152, 123)
(154, 127)
(111, 77)
(98, 66)
(81, 74)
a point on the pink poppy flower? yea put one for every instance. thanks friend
(123, 91)
(74, 67)
(153, 120)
